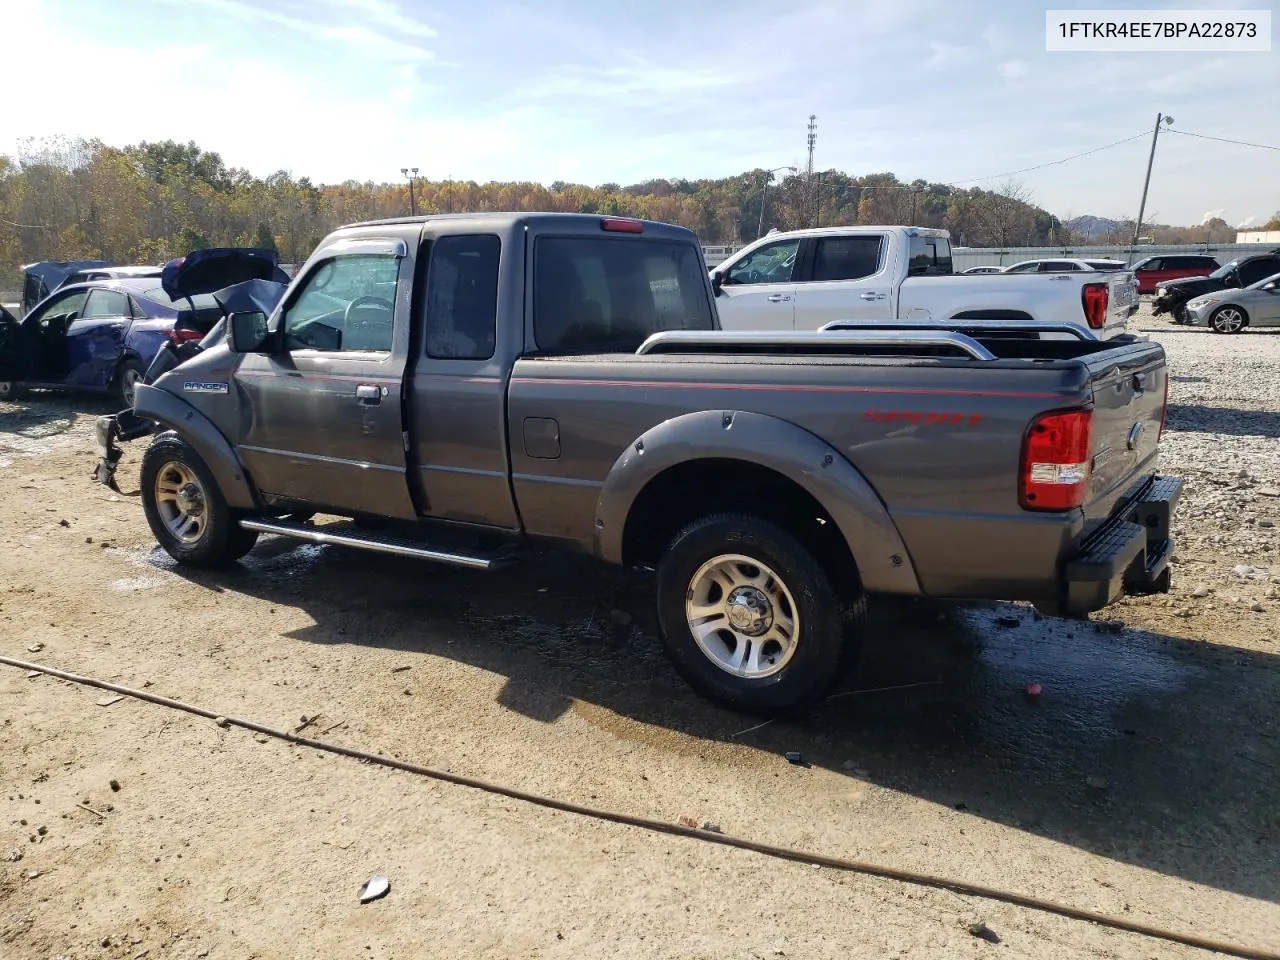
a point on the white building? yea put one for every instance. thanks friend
(1258, 236)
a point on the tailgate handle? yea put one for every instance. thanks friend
(1139, 382)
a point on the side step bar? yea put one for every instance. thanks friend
(359, 541)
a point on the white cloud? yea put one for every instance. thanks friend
(1013, 69)
(1212, 215)
(1246, 222)
(385, 14)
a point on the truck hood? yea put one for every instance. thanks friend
(1193, 286)
(207, 271)
(250, 296)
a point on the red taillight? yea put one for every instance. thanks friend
(179, 336)
(1055, 461)
(1094, 296)
(622, 225)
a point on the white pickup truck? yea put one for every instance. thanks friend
(805, 279)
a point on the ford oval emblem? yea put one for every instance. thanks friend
(1135, 436)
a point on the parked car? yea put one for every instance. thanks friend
(483, 382)
(100, 336)
(1172, 295)
(91, 274)
(41, 279)
(805, 279)
(986, 268)
(1230, 311)
(1154, 271)
(1064, 266)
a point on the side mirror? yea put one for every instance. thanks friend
(248, 333)
(717, 281)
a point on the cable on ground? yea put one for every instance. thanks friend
(658, 826)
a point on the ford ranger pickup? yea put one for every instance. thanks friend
(461, 386)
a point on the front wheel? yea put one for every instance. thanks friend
(185, 509)
(1179, 313)
(749, 616)
(1228, 320)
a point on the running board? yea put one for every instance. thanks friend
(400, 548)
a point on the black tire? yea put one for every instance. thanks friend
(820, 646)
(128, 376)
(1220, 320)
(10, 391)
(1179, 313)
(221, 540)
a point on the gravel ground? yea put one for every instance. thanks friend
(1140, 783)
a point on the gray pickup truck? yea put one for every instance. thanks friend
(460, 386)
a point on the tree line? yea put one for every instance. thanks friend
(144, 203)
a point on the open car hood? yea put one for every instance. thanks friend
(207, 271)
(251, 296)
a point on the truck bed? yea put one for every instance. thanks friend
(937, 437)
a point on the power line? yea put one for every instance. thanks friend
(25, 226)
(1205, 136)
(1051, 163)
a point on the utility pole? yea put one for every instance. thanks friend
(411, 174)
(1142, 206)
(808, 171)
(764, 195)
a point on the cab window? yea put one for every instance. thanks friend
(847, 258)
(346, 305)
(462, 297)
(772, 263)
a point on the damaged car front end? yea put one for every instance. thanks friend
(240, 280)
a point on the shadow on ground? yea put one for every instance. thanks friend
(1232, 421)
(1142, 748)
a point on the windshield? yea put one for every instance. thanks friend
(597, 294)
(1225, 270)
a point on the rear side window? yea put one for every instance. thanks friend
(846, 258)
(611, 294)
(930, 256)
(106, 303)
(1260, 269)
(1057, 266)
(462, 297)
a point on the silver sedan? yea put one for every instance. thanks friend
(1230, 311)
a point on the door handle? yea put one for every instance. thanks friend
(369, 394)
(869, 295)
(779, 298)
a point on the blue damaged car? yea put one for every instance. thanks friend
(100, 337)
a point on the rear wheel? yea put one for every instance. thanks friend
(185, 509)
(1228, 319)
(130, 374)
(749, 615)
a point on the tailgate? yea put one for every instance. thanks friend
(1122, 302)
(1130, 385)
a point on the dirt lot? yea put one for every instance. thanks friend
(1143, 782)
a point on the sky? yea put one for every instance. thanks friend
(600, 91)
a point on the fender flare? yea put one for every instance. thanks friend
(152, 403)
(884, 563)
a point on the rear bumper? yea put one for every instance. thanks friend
(1128, 554)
